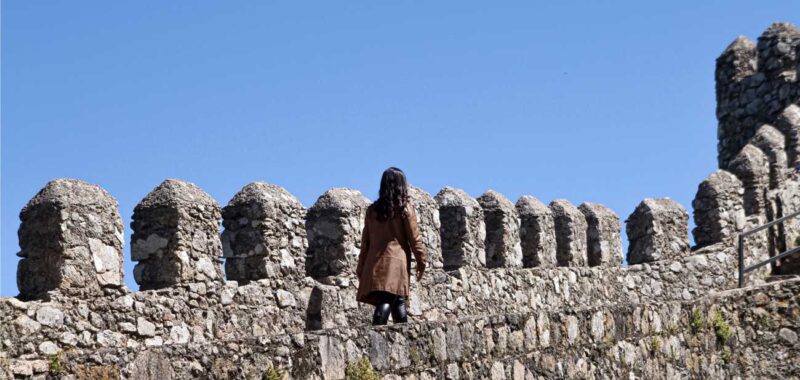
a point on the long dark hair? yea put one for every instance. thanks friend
(393, 195)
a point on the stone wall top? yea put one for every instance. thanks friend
(175, 192)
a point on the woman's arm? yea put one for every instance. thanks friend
(362, 256)
(415, 239)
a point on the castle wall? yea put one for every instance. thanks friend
(512, 290)
(746, 332)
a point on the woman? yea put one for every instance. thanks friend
(390, 236)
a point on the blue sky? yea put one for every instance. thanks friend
(608, 102)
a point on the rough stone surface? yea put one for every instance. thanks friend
(333, 226)
(429, 225)
(537, 233)
(603, 235)
(718, 209)
(463, 230)
(657, 230)
(502, 231)
(570, 228)
(788, 122)
(71, 239)
(672, 318)
(755, 83)
(782, 202)
(772, 143)
(650, 340)
(176, 236)
(265, 235)
(751, 166)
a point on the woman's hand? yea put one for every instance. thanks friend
(420, 270)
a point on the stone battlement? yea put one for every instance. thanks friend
(516, 289)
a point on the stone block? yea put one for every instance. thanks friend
(265, 234)
(333, 226)
(537, 233)
(657, 230)
(788, 123)
(429, 225)
(718, 209)
(603, 240)
(71, 239)
(772, 143)
(463, 230)
(502, 231)
(176, 237)
(570, 228)
(751, 166)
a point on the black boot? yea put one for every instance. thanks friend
(399, 313)
(381, 315)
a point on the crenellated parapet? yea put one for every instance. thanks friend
(463, 229)
(429, 225)
(537, 233)
(603, 239)
(176, 236)
(502, 231)
(334, 224)
(718, 209)
(772, 142)
(657, 230)
(570, 226)
(71, 240)
(264, 234)
(751, 166)
(512, 290)
(755, 84)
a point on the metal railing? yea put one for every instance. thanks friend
(742, 269)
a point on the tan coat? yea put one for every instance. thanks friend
(385, 259)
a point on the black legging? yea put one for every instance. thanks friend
(388, 302)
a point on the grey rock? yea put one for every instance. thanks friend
(50, 316)
(332, 357)
(145, 327)
(570, 227)
(502, 244)
(48, 348)
(285, 299)
(180, 334)
(21, 368)
(788, 336)
(657, 230)
(152, 365)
